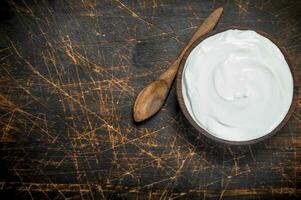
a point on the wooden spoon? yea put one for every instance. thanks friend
(151, 98)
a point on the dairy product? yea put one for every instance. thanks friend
(237, 85)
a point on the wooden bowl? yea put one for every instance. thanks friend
(203, 131)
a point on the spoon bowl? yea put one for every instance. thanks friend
(150, 99)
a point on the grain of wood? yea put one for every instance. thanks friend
(69, 75)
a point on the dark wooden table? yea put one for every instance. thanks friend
(69, 75)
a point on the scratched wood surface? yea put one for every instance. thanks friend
(69, 75)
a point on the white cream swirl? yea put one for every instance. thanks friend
(237, 85)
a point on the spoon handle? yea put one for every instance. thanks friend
(204, 28)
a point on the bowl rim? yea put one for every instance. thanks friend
(206, 133)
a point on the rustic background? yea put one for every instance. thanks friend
(69, 75)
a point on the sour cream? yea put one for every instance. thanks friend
(237, 85)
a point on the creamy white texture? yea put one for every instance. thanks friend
(237, 85)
